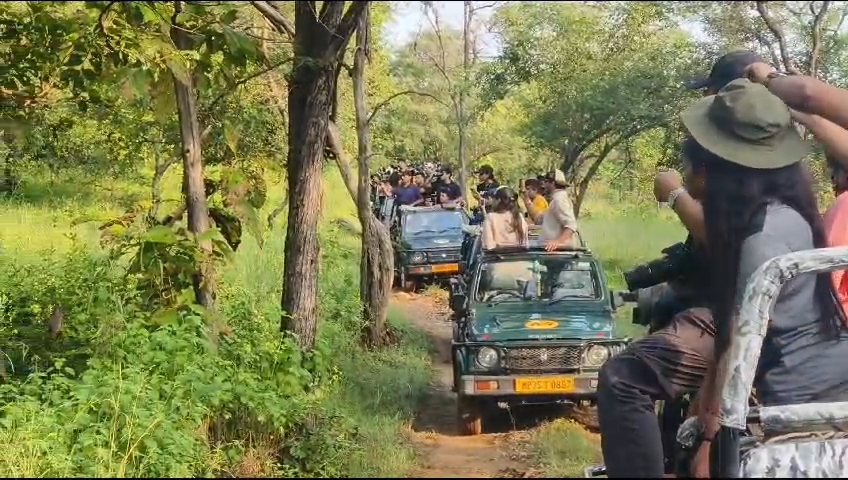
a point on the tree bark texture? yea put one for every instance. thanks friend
(195, 194)
(319, 37)
(310, 102)
(377, 263)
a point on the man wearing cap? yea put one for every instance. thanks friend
(559, 224)
(727, 68)
(486, 177)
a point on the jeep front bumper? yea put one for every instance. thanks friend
(584, 385)
(438, 269)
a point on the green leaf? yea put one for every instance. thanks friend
(232, 134)
(160, 234)
(168, 316)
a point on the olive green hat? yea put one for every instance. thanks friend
(746, 124)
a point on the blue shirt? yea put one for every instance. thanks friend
(407, 195)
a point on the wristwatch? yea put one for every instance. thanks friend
(672, 197)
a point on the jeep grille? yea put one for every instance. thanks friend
(444, 256)
(544, 358)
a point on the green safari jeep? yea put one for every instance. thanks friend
(530, 327)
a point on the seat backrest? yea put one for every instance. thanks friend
(806, 457)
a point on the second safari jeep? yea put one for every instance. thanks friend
(530, 327)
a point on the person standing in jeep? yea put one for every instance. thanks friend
(486, 177)
(559, 224)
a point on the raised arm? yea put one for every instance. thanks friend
(803, 93)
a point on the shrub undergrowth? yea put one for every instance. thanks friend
(121, 392)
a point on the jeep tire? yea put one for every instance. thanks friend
(469, 416)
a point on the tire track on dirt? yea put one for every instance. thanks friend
(501, 451)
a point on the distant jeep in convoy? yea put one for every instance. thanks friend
(530, 327)
(427, 243)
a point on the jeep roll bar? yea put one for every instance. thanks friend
(535, 247)
(740, 363)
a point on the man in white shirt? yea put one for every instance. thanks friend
(559, 223)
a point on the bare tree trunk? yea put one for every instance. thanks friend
(462, 123)
(195, 195)
(310, 103)
(377, 263)
(318, 43)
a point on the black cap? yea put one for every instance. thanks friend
(487, 169)
(726, 69)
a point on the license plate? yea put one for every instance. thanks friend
(544, 385)
(446, 268)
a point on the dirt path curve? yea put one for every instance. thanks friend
(443, 452)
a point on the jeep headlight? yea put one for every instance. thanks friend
(418, 257)
(487, 357)
(596, 355)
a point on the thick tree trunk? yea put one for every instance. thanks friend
(310, 103)
(195, 194)
(377, 263)
(318, 41)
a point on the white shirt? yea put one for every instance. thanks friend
(558, 217)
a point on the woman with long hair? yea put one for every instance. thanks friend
(504, 225)
(758, 203)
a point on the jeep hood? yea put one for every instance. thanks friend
(513, 326)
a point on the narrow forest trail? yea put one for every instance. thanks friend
(502, 451)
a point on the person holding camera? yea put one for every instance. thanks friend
(534, 202)
(758, 203)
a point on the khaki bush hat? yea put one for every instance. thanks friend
(746, 124)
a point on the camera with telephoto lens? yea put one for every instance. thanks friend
(677, 261)
(656, 302)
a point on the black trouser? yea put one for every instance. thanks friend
(662, 366)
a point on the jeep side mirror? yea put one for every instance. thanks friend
(615, 300)
(457, 301)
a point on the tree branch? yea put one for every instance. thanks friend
(346, 27)
(815, 34)
(392, 97)
(778, 34)
(244, 80)
(275, 18)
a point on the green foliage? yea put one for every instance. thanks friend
(136, 396)
(596, 76)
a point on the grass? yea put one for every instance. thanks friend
(563, 449)
(360, 420)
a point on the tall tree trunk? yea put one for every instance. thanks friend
(310, 104)
(318, 42)
(377, 263)
(195, 194)
(463, 122)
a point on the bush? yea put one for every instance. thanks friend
(123, 393)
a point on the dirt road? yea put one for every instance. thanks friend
(443, 452)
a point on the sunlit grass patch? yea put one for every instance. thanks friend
(564, 449)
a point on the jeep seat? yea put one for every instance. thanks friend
(505, 276)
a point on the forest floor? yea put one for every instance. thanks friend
(515, 443)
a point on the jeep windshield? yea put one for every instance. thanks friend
(549, 279)
(437, 222)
